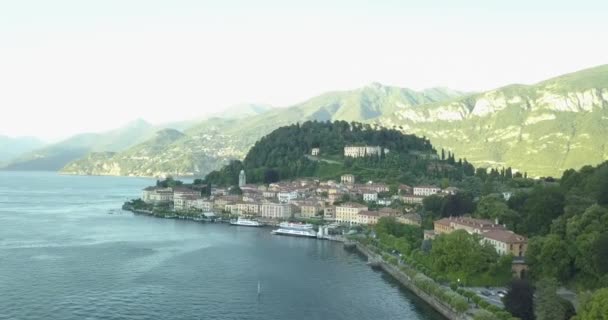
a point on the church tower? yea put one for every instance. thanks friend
(242, 179)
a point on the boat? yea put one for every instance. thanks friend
(295, 229)
(297, 226)
(245, 222)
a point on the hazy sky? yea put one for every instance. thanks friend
(73, 66)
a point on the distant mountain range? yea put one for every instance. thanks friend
(12, 147)
(29, 156)
(543, 129)
(211, 143)
(55, 156)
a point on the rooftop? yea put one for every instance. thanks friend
(505, 236)
(352, 205)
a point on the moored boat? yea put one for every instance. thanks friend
(245, 222)
(295, 229)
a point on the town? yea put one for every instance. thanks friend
(345, 202)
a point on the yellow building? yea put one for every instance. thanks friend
(349, 212)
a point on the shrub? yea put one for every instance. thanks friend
(483, 315)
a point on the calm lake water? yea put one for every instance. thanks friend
(62, 256)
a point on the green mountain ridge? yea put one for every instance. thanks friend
(211, 143)
(543, 128)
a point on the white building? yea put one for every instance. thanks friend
(156, 195)
(315, 151)
(370, 196)
(347, 179)
(362, 151)
(275, 210)
(426, 191)
(287, 196)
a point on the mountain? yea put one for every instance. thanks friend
(543, 128)
(56, 156)
(11, 147)
(240, 111)
(212, 142)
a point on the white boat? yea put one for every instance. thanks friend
(245, 222)
(295, 229)
(296, 226)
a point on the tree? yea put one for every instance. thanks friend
(494, 207)
(596, 306)
(457, 204)
(548, 257)
(519, 300)
(433, 204)
(547, 304)
(542, 206)
(460, 255)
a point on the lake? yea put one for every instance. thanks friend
(63, 256)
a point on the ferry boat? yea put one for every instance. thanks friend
(295, 229)
(245, 222)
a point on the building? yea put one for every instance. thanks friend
(286, 196)
(506, 242)
(389, 212)
(412, 199)
(204, 205)
(349, 212)
(275, 210)
(310, 209)
(185, 192)
(426, 191)
(451, 190)
(156, 195)
(185, 202)
(347, 179)
(470, 225)
(405, 189)
(333, 198)
(362, 151)
(370, 196)
(410, 218)
(269, 194)
(368, 217)
(242, 179)
(220, 203)
(315, 151)
(329, 212)
(429, 234)
(378, 187)
(503, 240)
(385, 202)
(247, 208)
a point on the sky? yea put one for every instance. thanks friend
(70, 66)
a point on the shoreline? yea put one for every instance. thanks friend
(375, 260)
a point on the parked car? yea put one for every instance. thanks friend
(486, 293)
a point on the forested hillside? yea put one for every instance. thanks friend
(285, 154)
